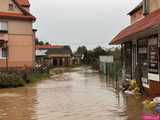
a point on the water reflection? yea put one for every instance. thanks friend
(17, 104)
(81, 94)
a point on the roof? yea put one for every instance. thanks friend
(147, 22)
(25, 15)
(48, 46)
(42, 50)
(138, 7)
(62, 50)
(24, 3)
(7, 15)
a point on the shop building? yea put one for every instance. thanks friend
(140, 43)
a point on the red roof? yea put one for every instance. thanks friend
(149, 21)
(48, 46)
(7, 15)
(23, 2)
(25, 15)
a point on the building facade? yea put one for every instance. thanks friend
(54, 55)
(140, 43)
(17, 38)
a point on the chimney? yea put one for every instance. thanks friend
(145, 7)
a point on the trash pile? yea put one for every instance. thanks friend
(132, 88)
(152, 106)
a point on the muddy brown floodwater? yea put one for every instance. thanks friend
(80, 94)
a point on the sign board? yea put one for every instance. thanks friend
(106, 59)
(41, 52)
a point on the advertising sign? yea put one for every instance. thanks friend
(106, 59)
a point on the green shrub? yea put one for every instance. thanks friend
(36, 76)
(11, 80)
(18, 78)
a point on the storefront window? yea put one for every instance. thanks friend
(143, 58)
(128, 59)
(153, 55)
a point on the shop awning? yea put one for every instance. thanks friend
(144, 24)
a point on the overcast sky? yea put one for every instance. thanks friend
(80, 22)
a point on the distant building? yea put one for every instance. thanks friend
(76, 58)
(140, 43)
(53, 55)
(17, 38)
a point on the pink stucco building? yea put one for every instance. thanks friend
(17, 38)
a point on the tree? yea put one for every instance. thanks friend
(91, 57)
(81, 50)
(37, 42)
(47, 43)
(99, 51)
(41, 43)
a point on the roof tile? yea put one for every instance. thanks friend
(48, 46)
(23, 2)
(145, 23)
(6, 15)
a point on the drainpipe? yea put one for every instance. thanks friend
(145, 7)
(6, 46)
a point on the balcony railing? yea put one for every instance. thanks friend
(3, 36)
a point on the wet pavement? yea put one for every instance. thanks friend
(79, 94)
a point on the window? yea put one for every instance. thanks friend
(11, 7)
(153, 55)
(4, 52)
(143, 56)
(3, 26)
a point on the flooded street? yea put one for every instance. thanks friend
(80, 94)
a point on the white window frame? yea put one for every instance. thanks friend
(3, 26)
(1, 57)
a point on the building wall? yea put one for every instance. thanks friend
(4, 6)
(60, 61)
(136, 16)
(154, 5)
(21, 40)
(21, 45)
(27, 9)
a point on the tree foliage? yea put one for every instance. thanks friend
(38, 42)
(81, 50)
(91, 57)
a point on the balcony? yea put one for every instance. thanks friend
(3, 31)
(3, 37)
